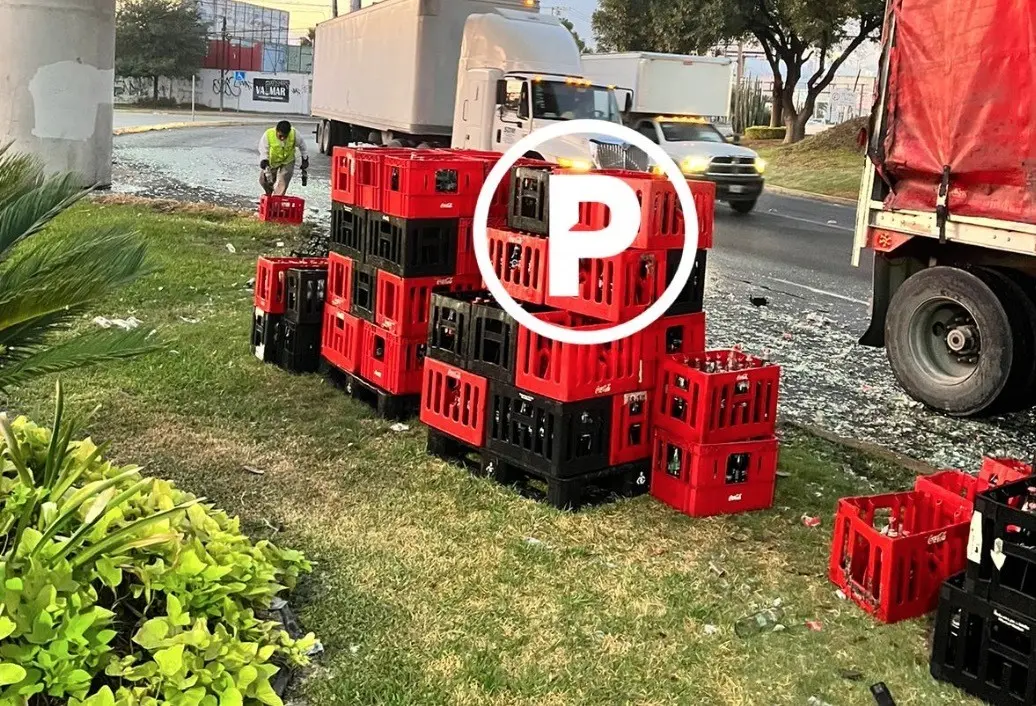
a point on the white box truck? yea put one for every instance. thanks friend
(478, 74)
(675, 100)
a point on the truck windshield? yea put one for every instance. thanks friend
(690, 132)
(552, 100)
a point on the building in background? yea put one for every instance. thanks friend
(251, 64)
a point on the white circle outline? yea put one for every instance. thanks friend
(480, 232)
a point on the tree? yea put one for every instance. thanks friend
(310, 39)
(156, 38)
(575, 35)
(46, 283)
(801, 39)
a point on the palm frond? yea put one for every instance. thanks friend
(67, 283)
(26, 211)
(88, 349)
(18, 173)
(34, 260)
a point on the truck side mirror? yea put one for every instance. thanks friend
(736, 139)
(501, 92)
(629, 103)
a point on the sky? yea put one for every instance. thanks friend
(307, 13)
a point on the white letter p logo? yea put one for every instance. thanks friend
(568, 247)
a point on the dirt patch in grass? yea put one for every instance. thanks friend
(434, 587)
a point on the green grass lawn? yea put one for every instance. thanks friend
(427, 588)
(828, 172)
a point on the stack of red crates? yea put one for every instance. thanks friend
(576, 418)
(400, 230)
(715, 450)
(891, 553)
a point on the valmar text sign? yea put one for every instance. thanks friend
(271, 90)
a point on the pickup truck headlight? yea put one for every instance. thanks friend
(575, 164)
(695, 165)
(760, 165)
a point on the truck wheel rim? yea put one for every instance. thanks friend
(945, 341)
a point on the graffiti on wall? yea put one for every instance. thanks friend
(138, 90)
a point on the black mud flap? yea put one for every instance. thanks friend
(880, 297)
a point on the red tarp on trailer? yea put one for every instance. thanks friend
(962, 94)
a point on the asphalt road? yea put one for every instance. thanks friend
(795, 253)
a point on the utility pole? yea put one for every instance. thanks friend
(740, 62)
(334, 8)
(223, 64)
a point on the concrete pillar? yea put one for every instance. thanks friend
(57, 72)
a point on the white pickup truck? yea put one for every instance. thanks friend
(676, 101)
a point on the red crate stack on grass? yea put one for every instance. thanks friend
(400, 231)
(574, 421)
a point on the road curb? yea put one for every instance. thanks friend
(783, 191)
(138, 129)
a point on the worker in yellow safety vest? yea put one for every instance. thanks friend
(277, 158)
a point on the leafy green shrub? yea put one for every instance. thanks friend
(121, 590)
(763, 132)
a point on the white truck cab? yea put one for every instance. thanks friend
(702, 151)
(520, 72)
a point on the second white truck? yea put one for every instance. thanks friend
(675, 101)
(477, 74)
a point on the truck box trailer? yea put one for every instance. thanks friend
(948, 203)
(472, 74)
(667, 84)
(391, 68)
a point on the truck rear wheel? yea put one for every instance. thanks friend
(950, 341)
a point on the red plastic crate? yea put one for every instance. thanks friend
(340, 339)
(339, 280)
(402, 305)
(678, 335)
(1000, 471)
(631, 428)
(662, 225)
(345, 188)
(393, 363)
(282, 209)
(891, 553)
(520, 263)
(957, 484)
(270, 286)
(702, 480)
(431, 184)
(618, 288)
(467, 263)
(357, 174)
(717, 407)
(569, 373)
(453, 401)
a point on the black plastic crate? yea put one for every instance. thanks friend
(349, 226)
(412, 247)
(299, 348)
(448, 324)
(493, 350)
(984, 649)
(544, 436)
(529, 205)
(574, 493)
(266, 334)
(1001, 528)
(365, 288)
(305, 291)
(692, 298)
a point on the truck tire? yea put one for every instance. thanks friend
(1015, 292)
(950, 341)
(743, 208)
(324, 137)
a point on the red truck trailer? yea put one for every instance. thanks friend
(948, 203)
